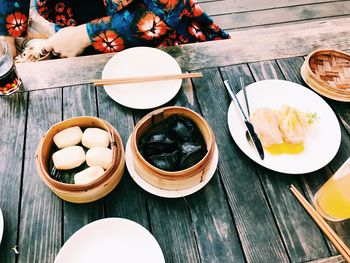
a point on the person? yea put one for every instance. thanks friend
(111, 25)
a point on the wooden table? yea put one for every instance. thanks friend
(246, 213)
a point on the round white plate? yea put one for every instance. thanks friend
(321, 143)
(142, 61)
(111, 240)
(162, 192)
(1, 225)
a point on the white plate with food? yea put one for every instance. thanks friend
(162, 192)
(314, 142)
(1, 225)
(111, 240)
(137, 62)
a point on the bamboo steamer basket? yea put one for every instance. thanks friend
(86, 192)
(177, 180)
(327, 71)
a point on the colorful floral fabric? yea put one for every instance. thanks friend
(128, 23)
(14, 17)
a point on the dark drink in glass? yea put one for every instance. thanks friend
(9, 80)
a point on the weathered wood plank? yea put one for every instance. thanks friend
(177, 237)
(41, 211)
(13, 120)
(171, 225)
(216, 233)
(238, 6)
(79, 101)
(282, 15)
(335, 259)
(207, 222)
(255, 224)
(127, 200)
(290, 68)
(290, 73)
(248, 46)
(295, 28)
(343, 112)
(301, 236)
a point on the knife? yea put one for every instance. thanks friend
(249, 126)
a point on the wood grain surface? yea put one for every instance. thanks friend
(79, 101)
(245, 46)
(13, 111)
(259, 237)
(40, 210)
(246, 213)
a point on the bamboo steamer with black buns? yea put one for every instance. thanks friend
(94, 190)
(172, 180)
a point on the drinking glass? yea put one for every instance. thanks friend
(9, 79)
(332, 200)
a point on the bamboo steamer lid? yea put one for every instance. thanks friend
(327, 71)
(177, 180)
(95, 189)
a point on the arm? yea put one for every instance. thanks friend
(108, 34)
(145, 24)
(13, 21)
(126, 26)
(153, 23)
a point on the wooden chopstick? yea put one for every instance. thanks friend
(99, 82)
(329, 232)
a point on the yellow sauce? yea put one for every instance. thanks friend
(288, 148)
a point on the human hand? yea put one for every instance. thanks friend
(11, 44)
(69, 41)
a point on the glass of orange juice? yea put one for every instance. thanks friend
(332, 200)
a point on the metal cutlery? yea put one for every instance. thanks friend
(250, 128)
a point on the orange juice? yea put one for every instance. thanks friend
(332, 200)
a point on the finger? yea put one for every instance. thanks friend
(47, 45)
(55, 53)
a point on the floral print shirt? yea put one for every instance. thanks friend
(127, 23)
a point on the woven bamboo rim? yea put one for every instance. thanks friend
(93, 193)
(46, 144)
(327, 71)
(177, 180)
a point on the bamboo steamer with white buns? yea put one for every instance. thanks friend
(92, 190)
(172, 180)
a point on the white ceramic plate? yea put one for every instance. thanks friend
(1, 225)
(111, 240)
(162, 192)
(142, 61)
(322, 141)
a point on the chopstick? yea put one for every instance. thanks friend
(329, 232)
(100, 82)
